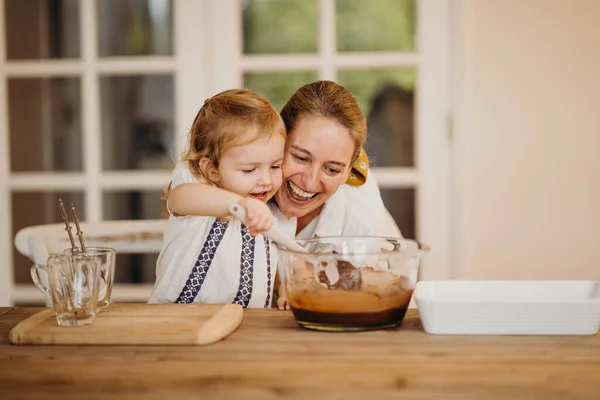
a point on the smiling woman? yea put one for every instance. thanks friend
(317, 162)
(326, 132)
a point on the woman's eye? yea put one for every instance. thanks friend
(332, 171)
(299, 158)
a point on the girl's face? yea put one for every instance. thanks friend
(316, 162)
(253, 169)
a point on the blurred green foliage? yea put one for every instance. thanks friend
(278, 87)
(291, 26)
(280, 26)
(375, 25)
(365, 83)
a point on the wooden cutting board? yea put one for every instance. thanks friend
(135, 324)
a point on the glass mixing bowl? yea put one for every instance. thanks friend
(350, 283)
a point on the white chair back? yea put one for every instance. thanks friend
(125, 236)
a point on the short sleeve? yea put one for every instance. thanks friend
(182, 174)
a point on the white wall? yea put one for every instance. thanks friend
(526, 200)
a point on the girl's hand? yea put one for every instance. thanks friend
(258, 215)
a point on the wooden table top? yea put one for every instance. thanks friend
(270, 357)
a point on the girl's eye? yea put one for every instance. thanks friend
(276, 167)
(247, 171)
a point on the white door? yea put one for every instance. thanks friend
(97, 96)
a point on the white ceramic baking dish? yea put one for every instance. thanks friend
(470, 307)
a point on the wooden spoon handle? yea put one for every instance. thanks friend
(274, 234)
(221, 324)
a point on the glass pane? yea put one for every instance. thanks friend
(134, 205)
(135, 27)
(137, 115)
(278, 86)
(38, 208)
(135, 268)
(401, 204)
(45, 124)
(41, 29)
(280, 26)
(382, 25)
(386, 96)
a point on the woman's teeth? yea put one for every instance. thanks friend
(299, 192)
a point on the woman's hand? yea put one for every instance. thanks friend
(282, 303)
(258, 215)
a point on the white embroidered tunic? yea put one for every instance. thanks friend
(209, 260)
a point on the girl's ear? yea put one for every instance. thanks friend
(209, 170)
(205, 164)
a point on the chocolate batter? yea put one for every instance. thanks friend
(362, 298)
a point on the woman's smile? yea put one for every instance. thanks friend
(296, 193)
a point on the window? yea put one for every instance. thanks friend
(90, 117)
(100, 94)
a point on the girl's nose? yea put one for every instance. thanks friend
(264, 180)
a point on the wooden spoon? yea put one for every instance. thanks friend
(276, 235)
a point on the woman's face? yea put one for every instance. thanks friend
(316, 162)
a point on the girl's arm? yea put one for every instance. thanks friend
(201, 199)
(205, 200)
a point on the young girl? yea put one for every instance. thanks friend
(236, 143)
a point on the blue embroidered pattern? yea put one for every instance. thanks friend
(268, 254)
(244, 292)
(198, 274)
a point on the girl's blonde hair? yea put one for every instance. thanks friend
(234, 117)
(329, 100)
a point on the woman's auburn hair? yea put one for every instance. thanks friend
(329, 100)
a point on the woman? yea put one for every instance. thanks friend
(324, 149)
